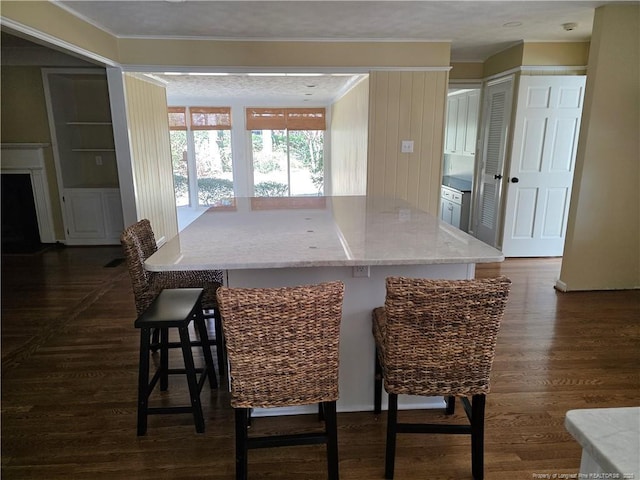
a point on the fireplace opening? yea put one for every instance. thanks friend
(20, 233)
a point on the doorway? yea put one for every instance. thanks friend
(459, 155)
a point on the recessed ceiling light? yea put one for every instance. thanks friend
(208, 74)
(266, 74)
(512, 24)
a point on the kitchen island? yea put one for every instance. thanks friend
(274, 242)
(610, 440)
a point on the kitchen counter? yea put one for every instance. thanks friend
(610, 440)
(280, 242)
(457, 183)
(317, 232)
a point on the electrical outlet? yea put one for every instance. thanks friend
(407, 146)
(98, 160)
(361, 271)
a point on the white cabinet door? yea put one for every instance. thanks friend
(471, 124)
(461, 126)
(93, 216)
(462, 123)
(83, 207)
(450, 212)
(452, 124)
(545, 141)
(456, 210)
(113, 218)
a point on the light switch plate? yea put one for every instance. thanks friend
(407, 146)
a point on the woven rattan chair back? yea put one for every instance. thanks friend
(139, 243)
(282, 344)
(440, 335)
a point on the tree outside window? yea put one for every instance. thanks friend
(201, 154)
(288, 151)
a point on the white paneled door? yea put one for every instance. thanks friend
(545, 140)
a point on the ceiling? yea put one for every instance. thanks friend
(476, 29)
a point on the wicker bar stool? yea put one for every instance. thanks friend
(438, 338)
(282, 345)
(173, 308)
(139, 243)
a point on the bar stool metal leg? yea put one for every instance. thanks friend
(377, 386)
(477, 436)
(190, 370)
(242, 442)
(392, 420)
(201, 327)
(331, 426)
(143, 380)
(451, 405)
(220, 345)
(164, 359)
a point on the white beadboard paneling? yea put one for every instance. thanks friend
(349, 138)
(407, 106)
(151, 155)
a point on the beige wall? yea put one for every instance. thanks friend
(54, 22)
(151, 155)
(466, 71)
(279, 54)
(349, 137)
(602, 248)
(24, 120)
(503, 61)
(565, 53)
(407, 106)
(537, 54)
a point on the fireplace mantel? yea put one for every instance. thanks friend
(28, 158)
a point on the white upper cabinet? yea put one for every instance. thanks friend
(462, 123)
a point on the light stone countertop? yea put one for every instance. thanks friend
(258, 233)
(611, 436)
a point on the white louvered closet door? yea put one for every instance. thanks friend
(496, 112)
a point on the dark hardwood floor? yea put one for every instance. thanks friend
(69, 372)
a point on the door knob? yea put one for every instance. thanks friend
(497, 177)
(515, 180)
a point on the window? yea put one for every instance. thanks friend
(201, 155)
(287, 146)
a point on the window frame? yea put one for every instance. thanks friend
(287, 120)
(215, 118)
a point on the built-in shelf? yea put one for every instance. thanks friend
(85, 156)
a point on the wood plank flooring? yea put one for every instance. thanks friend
(69, 372)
